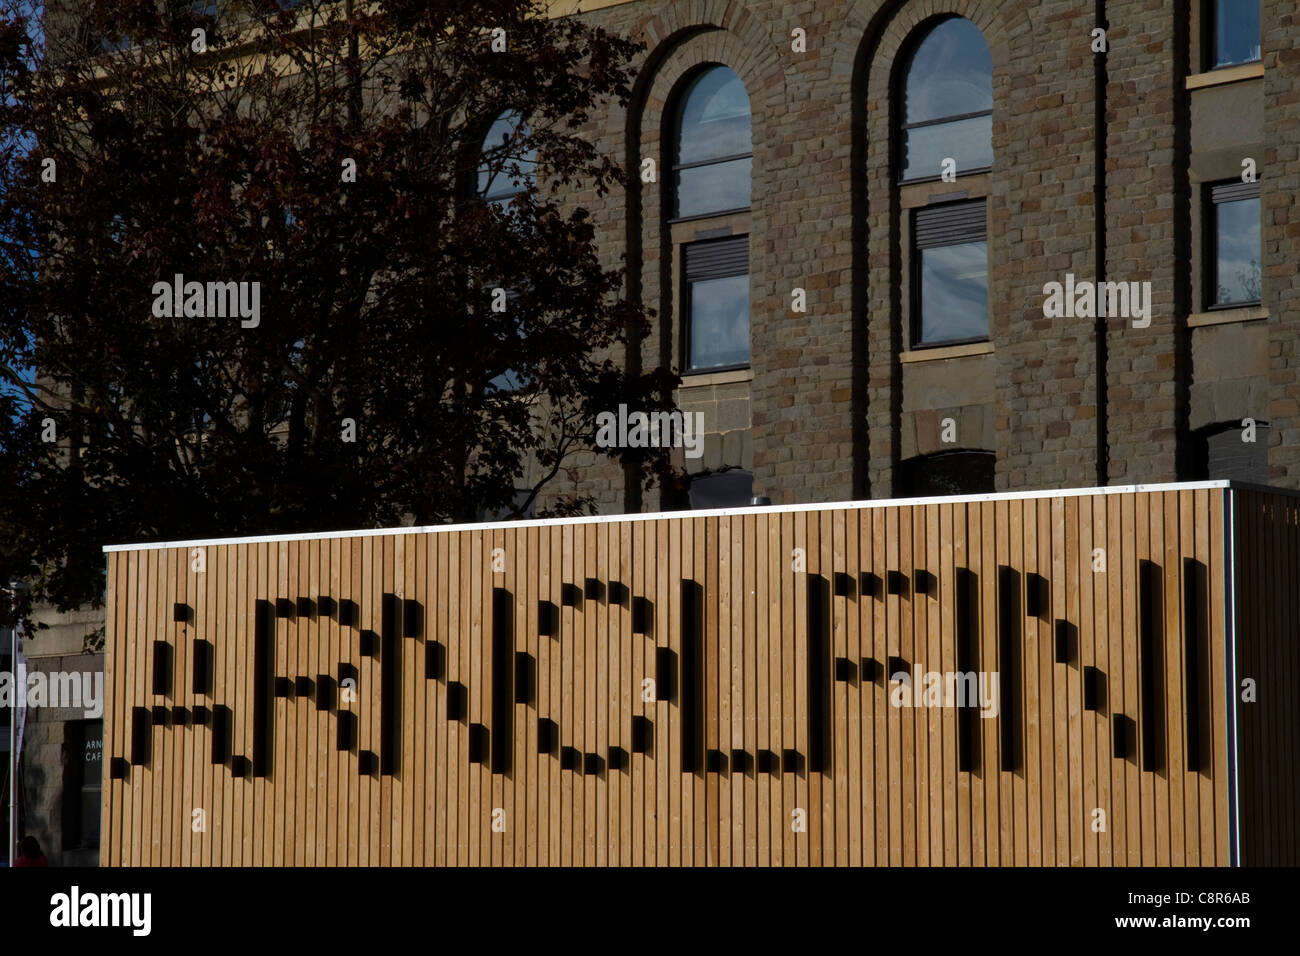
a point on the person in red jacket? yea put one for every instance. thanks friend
(29, 853)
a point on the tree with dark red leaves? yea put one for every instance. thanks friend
(418, 351)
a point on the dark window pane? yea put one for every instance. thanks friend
(83, 829)
(719, 333)
(115, 43)
(968, 142)
(497, 176)
(724, 489)
(950, 74)
(510, 380)
(715, 118)
(6, 667)
(1236, 31)
(92, 755)
(954, 293)
(948, 473)
(1237, 252)
(91, 799)
(714, 188)
(508, 514)
(1223, 454)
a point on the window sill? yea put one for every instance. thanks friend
(1250, 313)
(971, 185)
(1227, 74)
(700, 379)
(946, 352)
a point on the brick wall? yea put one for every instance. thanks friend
(1280, 188)
(830, 418)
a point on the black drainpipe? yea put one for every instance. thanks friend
(1099, 231)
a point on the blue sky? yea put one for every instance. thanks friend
(28, 6)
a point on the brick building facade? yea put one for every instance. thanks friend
(1103, 168)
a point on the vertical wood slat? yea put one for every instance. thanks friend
(891, 789)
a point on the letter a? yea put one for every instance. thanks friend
(1052, 304)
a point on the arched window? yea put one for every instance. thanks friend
(712, 159)
(946, 133)
(947, 107)
(506, 169)
(714, 152)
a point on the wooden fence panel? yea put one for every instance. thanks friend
(719, 689)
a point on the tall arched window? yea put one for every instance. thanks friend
(946, 133)
(712, 159)
(948, 102)
(714, 154)
(506, 169)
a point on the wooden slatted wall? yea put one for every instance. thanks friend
(532, 694)
(1266, 529)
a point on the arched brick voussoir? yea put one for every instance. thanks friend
(874, 31)
(715, 46)
(757, 55)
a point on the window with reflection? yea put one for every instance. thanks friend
(714, 153)
(712, 161)
(506, 169)
(947, 102)
(717, 304)
(1233, 32)
(1233, 233)
(950, 277)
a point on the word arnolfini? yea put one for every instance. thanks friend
(1088, 300)
(653, 430)
(213, 300)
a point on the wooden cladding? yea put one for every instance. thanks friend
(766, 687)
(1266, 558)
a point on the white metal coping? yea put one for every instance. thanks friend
(717, 512)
